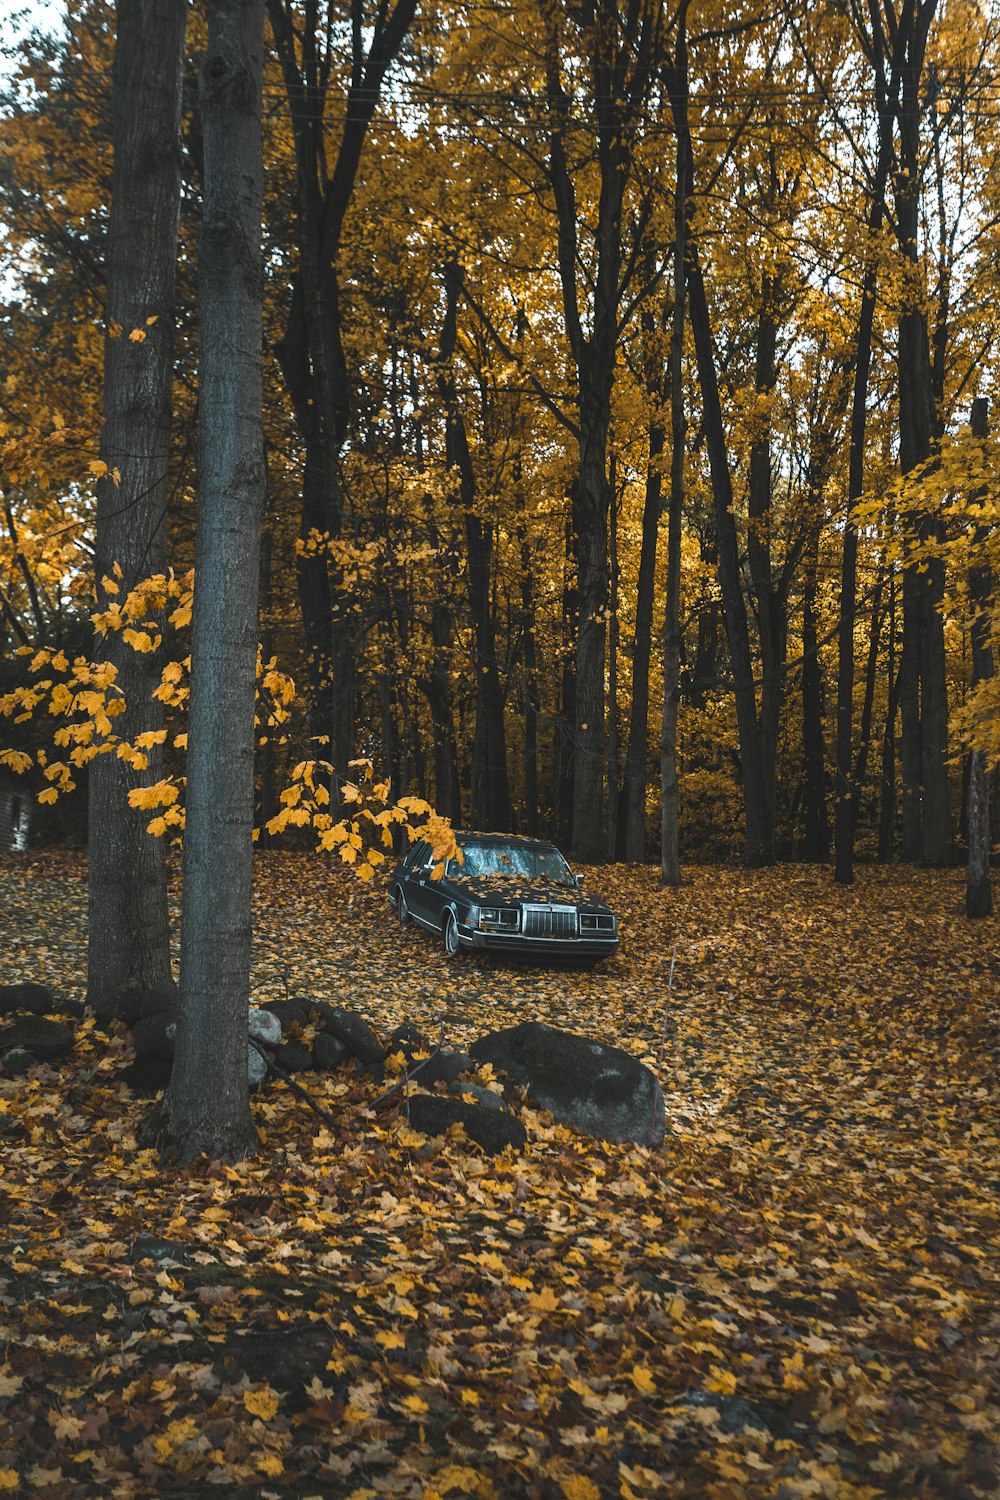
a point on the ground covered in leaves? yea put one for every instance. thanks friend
(797, 1296)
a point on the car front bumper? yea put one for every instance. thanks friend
(572, 950)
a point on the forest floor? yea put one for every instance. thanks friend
(799, 1295)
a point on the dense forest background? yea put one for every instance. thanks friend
(627, 378)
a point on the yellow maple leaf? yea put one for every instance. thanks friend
(263, 1403)
(642, 1379)
(721, 1380)
(579, 1487)
(9, 1479)
(271, 1464)
(543, 1301)
(137, 336)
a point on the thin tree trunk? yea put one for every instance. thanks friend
(978, 891)
(129, 939)
(632, 836)
(868, 704)
(206, 1108)
(267, 801)
(843, 794)
(758, 846)
(816, 828)
(613, 772)
(670, 860)
(490, 799)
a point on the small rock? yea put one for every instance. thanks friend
(45, 1040)
(289, 1012)
(486, 1097)
(329, 1053)
(409, 1040)
(17, 1062)
(264, 1027)
(444, 1067)
(154, 1036)
(293, 1057)
(38, 999)
(351, 1028)
(735, 1415)
(148, 1075)
(492, 1130)
(132, 1002)
(151, 1247)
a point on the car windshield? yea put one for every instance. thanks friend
(514, 860)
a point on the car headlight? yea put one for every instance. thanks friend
(597, 921)
(497, 919)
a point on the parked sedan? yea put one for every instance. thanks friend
(507, 895)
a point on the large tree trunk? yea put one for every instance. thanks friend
(206, 1108)
(924, 688)
(129, 941)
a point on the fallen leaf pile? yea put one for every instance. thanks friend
(797, 1296)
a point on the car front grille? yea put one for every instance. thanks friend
(550, 921)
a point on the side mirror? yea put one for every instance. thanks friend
(578, 879)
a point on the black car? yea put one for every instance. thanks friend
(515, 896)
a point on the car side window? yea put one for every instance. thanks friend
(420, 857)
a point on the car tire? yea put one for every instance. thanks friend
(402, 910)
(449, 934)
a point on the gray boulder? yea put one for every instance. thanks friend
(594, 1088)
(46, 1040)
(264, 1027)
(492, 1130)
(256, 1067)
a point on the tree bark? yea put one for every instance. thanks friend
(816, 828)
(490, 791)
(887, 89)
(924, 699)
(670, 859)
(978, 891)
(206, 1107)
(311, 349)
(129, 940)
(632, 837)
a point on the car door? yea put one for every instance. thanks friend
(419, 892)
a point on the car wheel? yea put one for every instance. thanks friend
(449, 934)
(402, 910)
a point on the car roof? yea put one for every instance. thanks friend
(500, 839)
